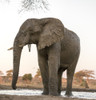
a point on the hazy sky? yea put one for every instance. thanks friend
(77, 15)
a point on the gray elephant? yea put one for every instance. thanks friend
(58, 50)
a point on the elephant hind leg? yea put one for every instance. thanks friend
(60, 72)
(70, 74)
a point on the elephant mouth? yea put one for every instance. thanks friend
(29, 46)
(21, 45)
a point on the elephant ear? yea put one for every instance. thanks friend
(50, 35)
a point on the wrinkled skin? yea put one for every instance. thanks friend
(58, 50)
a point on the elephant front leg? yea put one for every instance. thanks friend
(53, 64)
(44, 72)
(53, 78)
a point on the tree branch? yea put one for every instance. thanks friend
(29, 5)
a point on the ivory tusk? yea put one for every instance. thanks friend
(29, 46)
(10, 48)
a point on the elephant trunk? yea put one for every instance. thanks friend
(16, 62)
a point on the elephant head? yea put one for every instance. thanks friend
(42, 32)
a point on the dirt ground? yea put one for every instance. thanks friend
(9, 97)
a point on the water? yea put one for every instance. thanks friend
(26, 92)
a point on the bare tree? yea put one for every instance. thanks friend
(30, 5)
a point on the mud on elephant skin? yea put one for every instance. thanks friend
(58, 50)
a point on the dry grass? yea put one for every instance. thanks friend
(37, 84)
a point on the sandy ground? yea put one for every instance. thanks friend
(9, 97)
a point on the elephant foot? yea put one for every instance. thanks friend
(68, 93)
(54, 94)
(59, 92)
(45, 93)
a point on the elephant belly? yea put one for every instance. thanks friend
(69, 54)
(66, 60)
(70, 49)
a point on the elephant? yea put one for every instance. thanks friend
(58, 50)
